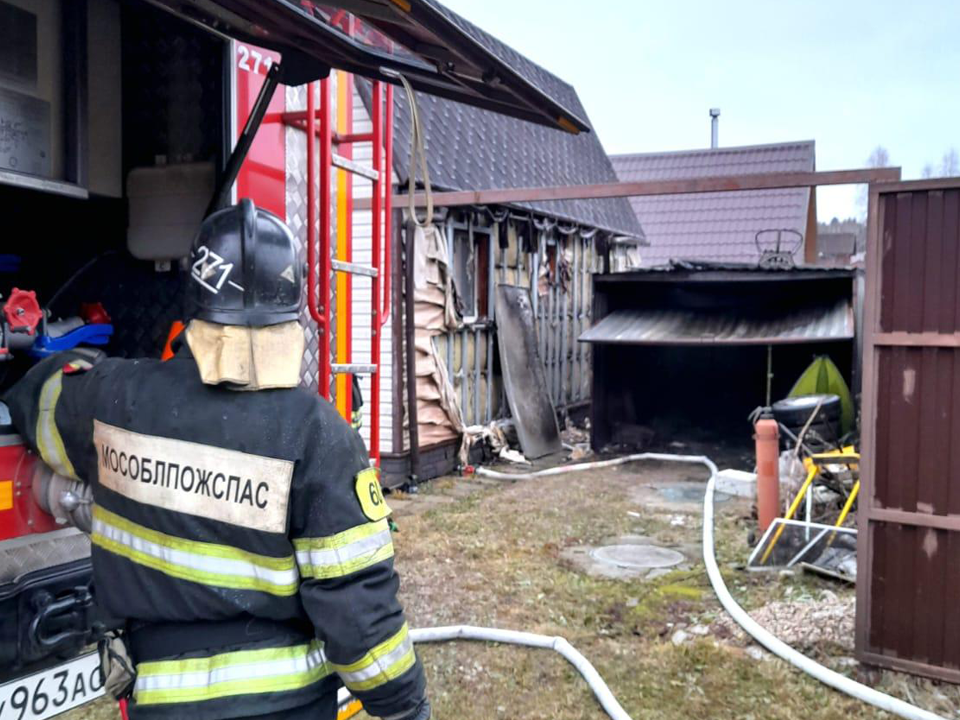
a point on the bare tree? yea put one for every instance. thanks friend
(950, 163)
(949, 166)
(879, 158)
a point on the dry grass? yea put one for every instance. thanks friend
(494, 558)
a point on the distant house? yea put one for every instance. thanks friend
(723, 226)
(841, 241)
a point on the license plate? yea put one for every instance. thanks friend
(51, 692)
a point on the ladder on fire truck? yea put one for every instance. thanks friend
(336, 150)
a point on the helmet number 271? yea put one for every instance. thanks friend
(207, 264)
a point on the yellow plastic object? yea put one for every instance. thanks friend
(349, 709)
(811, 474)
(848, 451)
(849, 504)
(848, 454)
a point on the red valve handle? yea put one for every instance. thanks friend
(23, 312)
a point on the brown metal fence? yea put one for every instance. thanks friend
(908, 586)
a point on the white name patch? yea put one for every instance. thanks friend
(226, 485)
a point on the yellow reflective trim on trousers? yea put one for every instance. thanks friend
(191, 560)
(243, 672)
(224, 660)
(387, 661)
(377, 652)
(344, 553)
(49, 442)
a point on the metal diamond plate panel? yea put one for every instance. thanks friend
(142, 302)
(296, 206)
(296, 200)
(176, 113)
(36, 552)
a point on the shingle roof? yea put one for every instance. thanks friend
(716, 226)
(472, 149)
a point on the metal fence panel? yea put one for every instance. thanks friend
(908, 588)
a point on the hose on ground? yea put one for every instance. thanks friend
(761, 635)
(512, 637)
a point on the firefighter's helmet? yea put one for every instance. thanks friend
(244, 269)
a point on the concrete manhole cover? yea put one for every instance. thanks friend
(689, 494)
(638, 557)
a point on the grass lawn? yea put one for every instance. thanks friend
(498, 554)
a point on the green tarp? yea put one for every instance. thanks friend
(823, 377)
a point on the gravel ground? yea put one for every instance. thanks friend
(808, 622)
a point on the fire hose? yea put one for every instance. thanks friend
(596, 683)
(768, 640)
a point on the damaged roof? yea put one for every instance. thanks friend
(717, 226)
(473, 149)
(815, 322)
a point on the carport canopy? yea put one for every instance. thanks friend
(434, 48)
(752, 325)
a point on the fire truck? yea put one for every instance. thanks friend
(123, 123)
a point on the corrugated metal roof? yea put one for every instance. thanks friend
(716, 226)
(708, 268)
(745, 326)
(473, 149)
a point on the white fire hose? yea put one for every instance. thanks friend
(762, 636)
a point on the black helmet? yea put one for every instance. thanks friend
(244, 269)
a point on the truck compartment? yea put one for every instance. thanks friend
(157, 98)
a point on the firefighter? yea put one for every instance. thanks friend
(237, 526)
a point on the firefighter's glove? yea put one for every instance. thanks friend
(116, 665)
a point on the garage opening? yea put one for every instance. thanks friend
(685, 355)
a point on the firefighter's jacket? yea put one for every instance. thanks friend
(241, 534)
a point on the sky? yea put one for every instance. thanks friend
(849, 74)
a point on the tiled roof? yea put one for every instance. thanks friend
(716, 226)
(472, 149)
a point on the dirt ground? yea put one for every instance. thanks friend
(512, 555)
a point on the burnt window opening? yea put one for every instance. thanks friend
(552, 258)
(470, 268)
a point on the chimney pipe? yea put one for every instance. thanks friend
(714, 127)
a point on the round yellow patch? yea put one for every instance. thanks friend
(370, 495)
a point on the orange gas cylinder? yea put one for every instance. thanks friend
(766, 433)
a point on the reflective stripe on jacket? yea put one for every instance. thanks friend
(213, 507)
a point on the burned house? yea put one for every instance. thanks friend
(553, 249)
